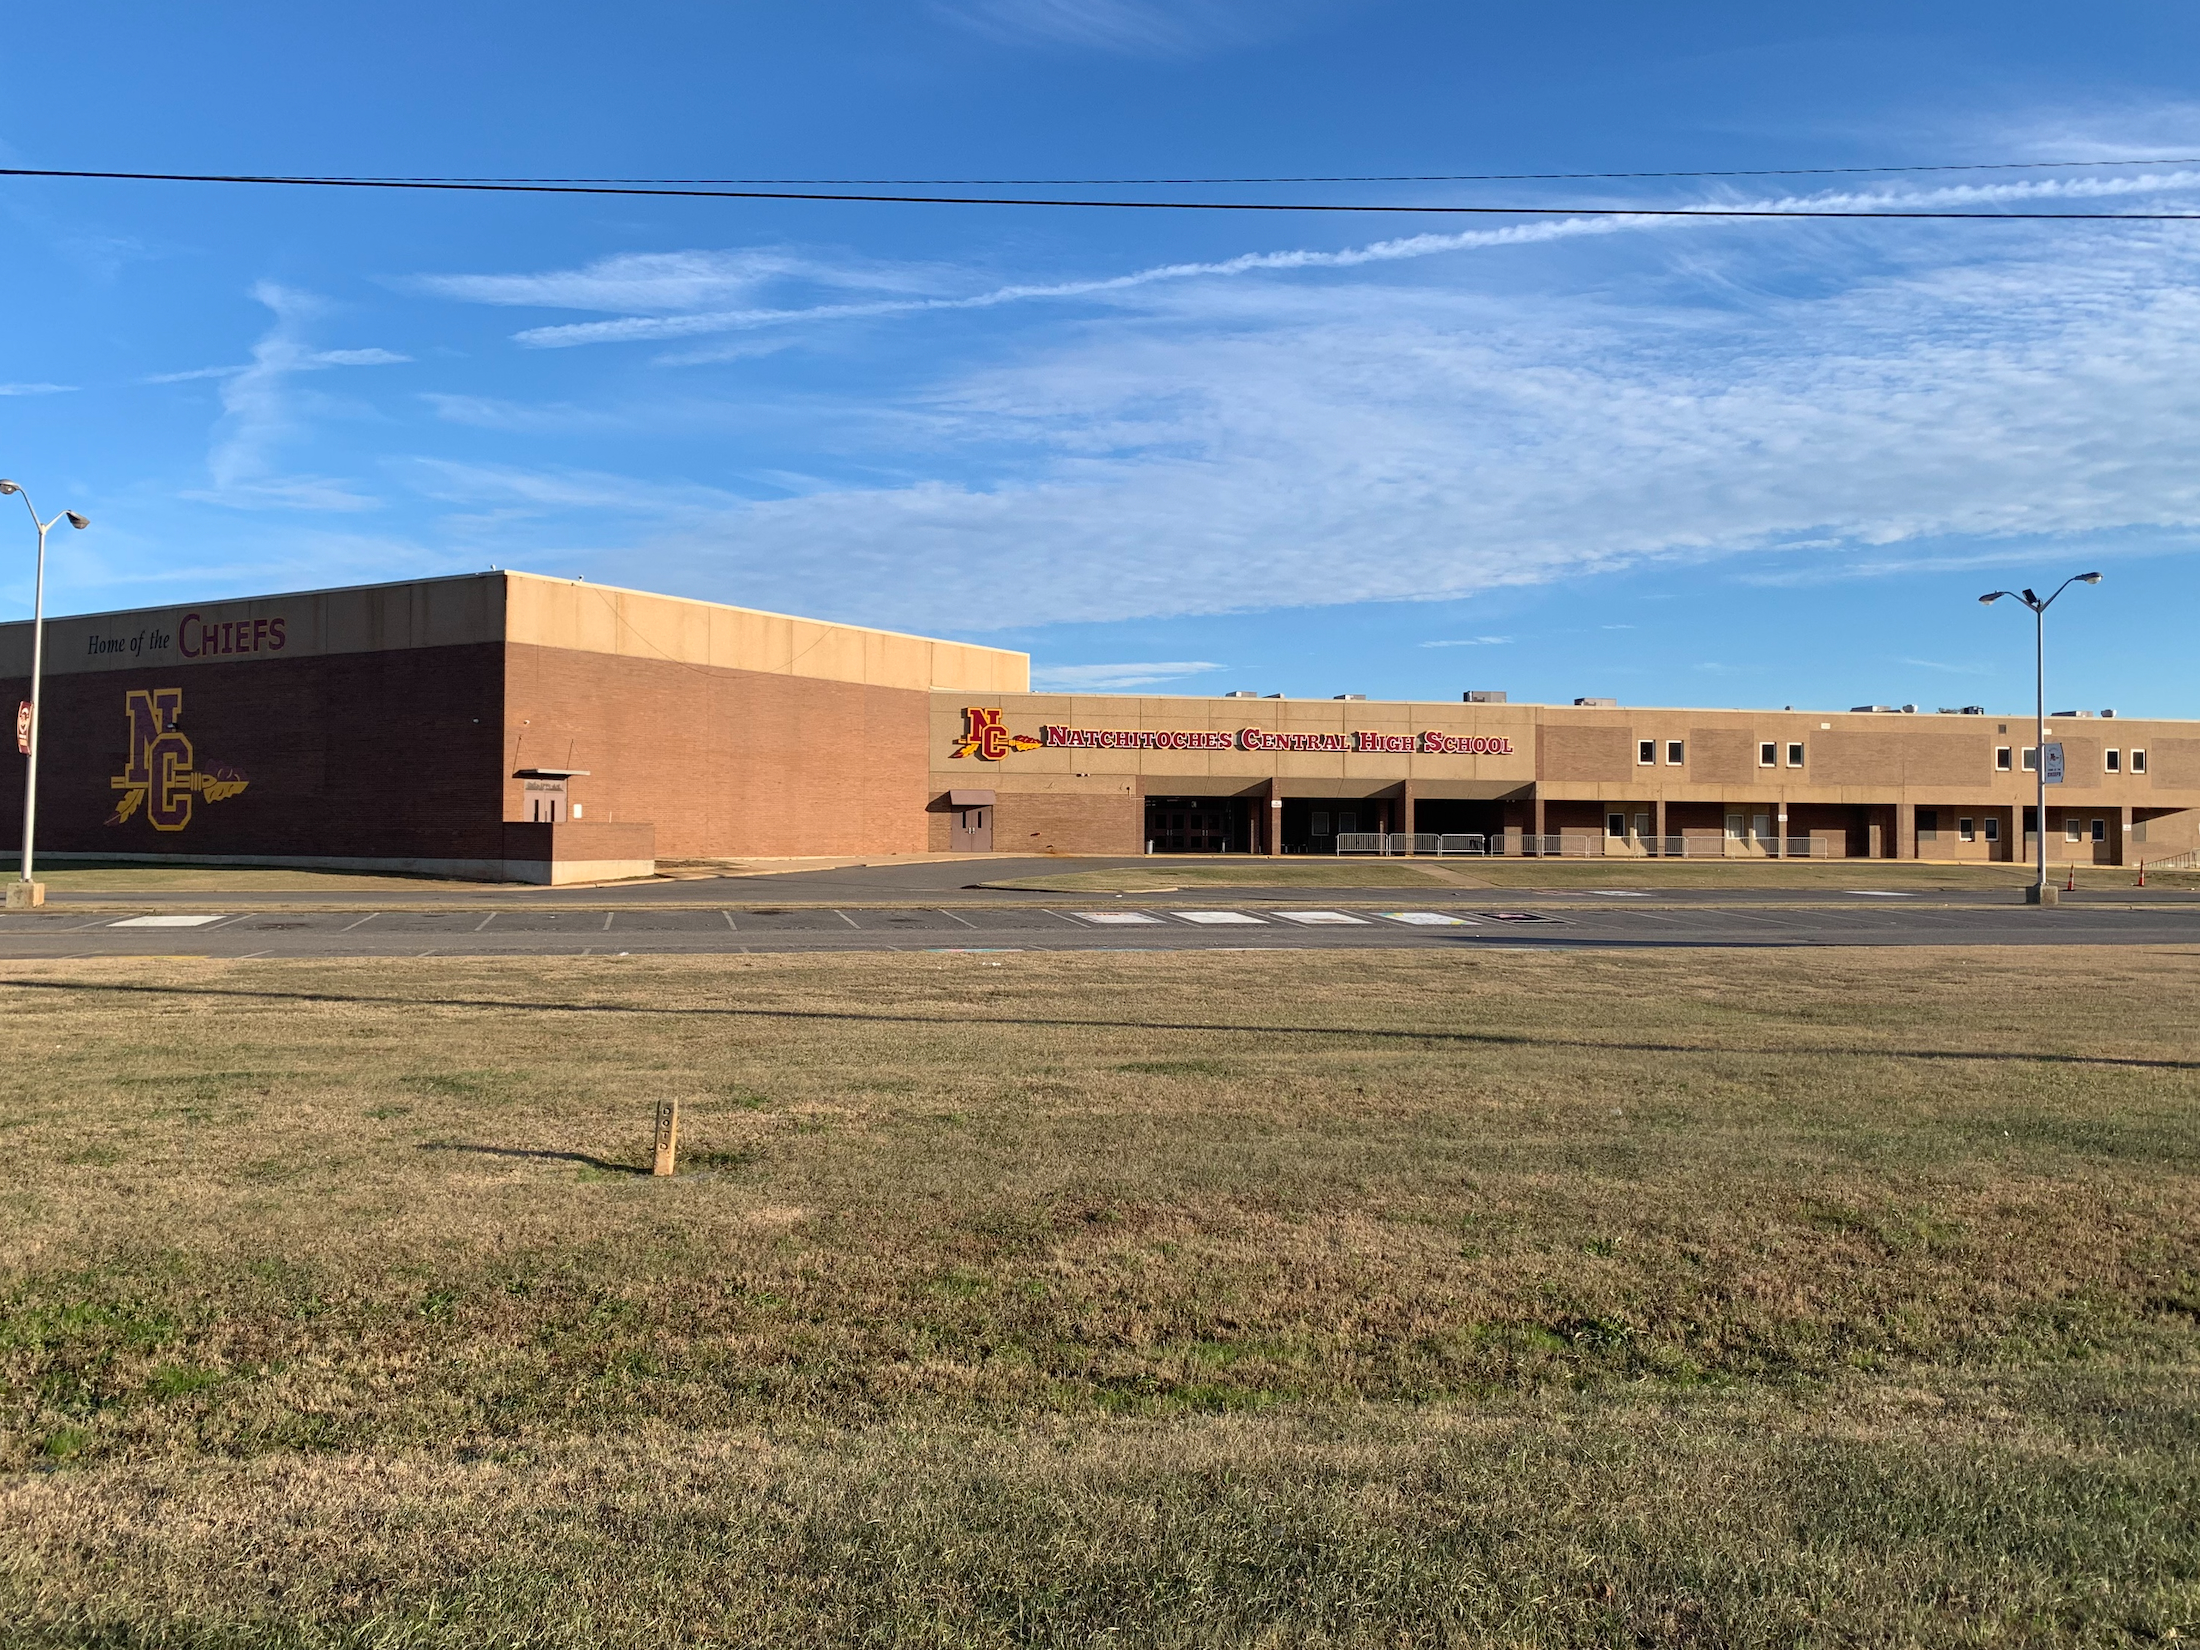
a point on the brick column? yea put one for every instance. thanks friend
(1275, 820)
(1905, 831)
(1539, 819)
(2123, 836)
(1780, 830)
(1658, 825)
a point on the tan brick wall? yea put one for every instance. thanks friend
(722, 762)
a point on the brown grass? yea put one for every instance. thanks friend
(1354, 1298)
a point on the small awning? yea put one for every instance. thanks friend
(970, 799)
(549, 773)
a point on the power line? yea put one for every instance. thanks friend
(487, 186)
(1155, 183)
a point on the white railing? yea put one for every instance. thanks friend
(1581, 845)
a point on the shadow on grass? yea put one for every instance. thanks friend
(1484, 1039)
(604, 1164)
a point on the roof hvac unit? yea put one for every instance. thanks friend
(1483, 696)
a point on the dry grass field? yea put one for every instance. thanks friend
(1394, 1298)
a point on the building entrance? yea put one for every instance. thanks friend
(1189, 824)
(970, 822)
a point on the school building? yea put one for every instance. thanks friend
(513, 727)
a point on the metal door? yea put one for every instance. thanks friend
(972, 832)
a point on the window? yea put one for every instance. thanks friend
(1993, 829)
(1768, 756)
(2138, 761)
(2031, 822)
(2073, 830)
(1676, 752)
(1928, 822)
(1646, 751)
(1795, 756)
(1966, 830)
(2001, 759)
(2031, 758)
(1642, 825)
(1320, 825)
(2100, 830)
(1615, 825)
(2114, 759)
(1347, 824)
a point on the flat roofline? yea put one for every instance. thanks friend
(1914, 718)
(763, 612)
(514, 573)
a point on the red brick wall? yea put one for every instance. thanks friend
(364, 755)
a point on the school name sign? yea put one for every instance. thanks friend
(985, 737)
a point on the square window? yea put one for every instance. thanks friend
(2138, 761)
(2115, 761)
(1615, 824)
(2100, 830)
(2073, 830)
(1676, 752)
(1966, 830)
(1320, 826)
(1347, 824)
(2001, 759)
(1993, 829)
(1768, 756)
(1795, 756)
(1928, 822)
(2031, 758)
(1646, 751)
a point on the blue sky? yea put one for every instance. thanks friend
(1707, 463)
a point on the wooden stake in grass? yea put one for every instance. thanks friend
(668, 1135)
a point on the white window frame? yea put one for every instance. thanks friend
(2113, 760)
(1676, 753)
(1768, 753)
(2003, 757)
(2100, 831)
(1615, 826)
(1646, 753)
(2073, 828)
(2031, 759)
(1795, 753)
(2138, 761)
(1966, 828)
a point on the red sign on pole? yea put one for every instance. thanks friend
(23, 727)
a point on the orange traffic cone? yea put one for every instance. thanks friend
(2071, 887)
(2142, 873)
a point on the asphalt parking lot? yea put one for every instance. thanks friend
(1461, 919)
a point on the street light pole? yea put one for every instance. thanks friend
(26, 893)
(2039, 609)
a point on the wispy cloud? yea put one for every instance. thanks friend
(36, 389)
(1114, 678)
(261, 412)
(1952, 670)
(665, 283)
(665, 321)
(1143, 28)
(1473, 641)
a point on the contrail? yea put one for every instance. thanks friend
(650, 328)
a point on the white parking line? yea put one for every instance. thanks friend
(1121, 917)
(1322, 916)
(1212, 918)
(171, 921)
(1426, 919)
